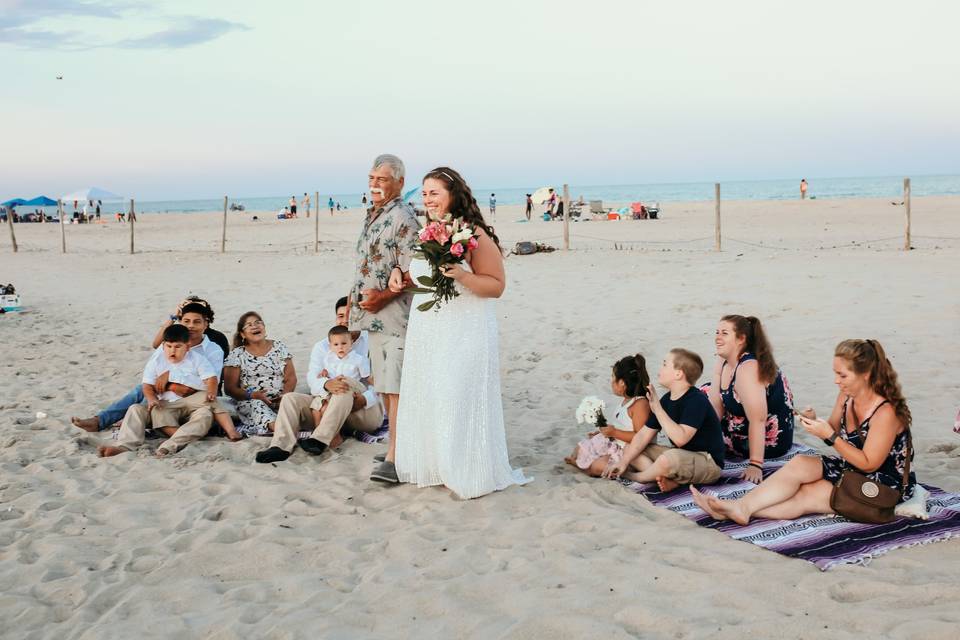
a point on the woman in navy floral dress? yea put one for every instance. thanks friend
(750, 394)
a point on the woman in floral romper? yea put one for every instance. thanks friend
(256, 373)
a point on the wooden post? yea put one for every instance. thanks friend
(13, 236)
(132, 218)
(63, 233)
(223, 238)
(716, 189)
(316, 225)
(906, 203)
(566, 217)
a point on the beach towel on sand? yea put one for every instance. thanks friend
(823, 540)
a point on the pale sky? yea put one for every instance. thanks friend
(195, 99)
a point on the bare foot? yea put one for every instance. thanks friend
(701, 499)
(335, 442)
(163, 453)
(570, 460)
(234, 436)
(667, 484)
(108, 452)
(729, 510)
(87, 424)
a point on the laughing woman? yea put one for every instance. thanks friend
(869, 429)
(750, 395)
(256, 374)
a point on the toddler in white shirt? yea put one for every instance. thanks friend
(342, 362)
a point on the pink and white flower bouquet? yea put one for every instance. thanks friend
(443, 242)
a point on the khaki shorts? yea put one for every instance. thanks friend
(689, 467)
(386, 362)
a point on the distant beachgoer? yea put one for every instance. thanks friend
(338, 206)
(363, 201)
(559, 211)
(628, 380)
(803, 188)
(529, 205)
(493, 205)
(331, 204)
(98, 210)
(85, 214)
(293, 207)
(551, 203)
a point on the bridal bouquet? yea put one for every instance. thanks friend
(591, 412)
(442, 242)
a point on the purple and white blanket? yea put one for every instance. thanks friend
(823, 540)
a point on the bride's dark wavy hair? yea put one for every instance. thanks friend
(462, 203)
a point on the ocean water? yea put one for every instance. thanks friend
(786, 189)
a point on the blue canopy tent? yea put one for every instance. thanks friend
(40, 201)
(15, 202)
(409, 194)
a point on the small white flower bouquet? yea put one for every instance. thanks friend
(590, 411)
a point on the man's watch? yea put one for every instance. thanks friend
(833, 438)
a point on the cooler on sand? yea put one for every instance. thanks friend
(10, 302)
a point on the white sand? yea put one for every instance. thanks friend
(210, 544)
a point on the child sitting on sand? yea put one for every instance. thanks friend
(628, 380)
(341, 362)
(684, 413)
(189, 390)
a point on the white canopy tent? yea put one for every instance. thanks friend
(91, 194)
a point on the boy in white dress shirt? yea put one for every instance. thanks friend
(186, 396)
(341, 362)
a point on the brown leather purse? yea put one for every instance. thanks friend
(858, 498)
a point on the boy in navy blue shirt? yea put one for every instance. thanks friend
(685, 415)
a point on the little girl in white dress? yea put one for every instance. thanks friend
(628, 380)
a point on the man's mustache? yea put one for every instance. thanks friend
(379, 192)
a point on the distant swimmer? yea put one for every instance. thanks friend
(803, 188)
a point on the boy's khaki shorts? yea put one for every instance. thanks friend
(690, 467)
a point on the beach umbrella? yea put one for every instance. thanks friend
(40, 201)
(409, 194)
(540, 195)
(91, 193)
(16, 202)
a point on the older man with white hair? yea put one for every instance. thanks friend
(388, 240)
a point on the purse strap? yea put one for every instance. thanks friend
(863, 439)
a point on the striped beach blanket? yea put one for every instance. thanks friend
(825, 541)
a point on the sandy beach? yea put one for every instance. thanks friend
(210, 544)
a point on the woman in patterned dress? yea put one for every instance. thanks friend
(871, 403)
(750, 395)
(256, 373)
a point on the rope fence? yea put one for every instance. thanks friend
(579, 236)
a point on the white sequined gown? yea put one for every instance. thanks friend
(450, 419)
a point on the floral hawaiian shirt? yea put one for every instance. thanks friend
(388, 240)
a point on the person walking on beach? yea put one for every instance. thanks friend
(306, 204)
(803, 188)
(330, 204)
(529, 205)
(293, 207)
(388, 240)
(493, 206)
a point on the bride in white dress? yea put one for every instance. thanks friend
(450, 419)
